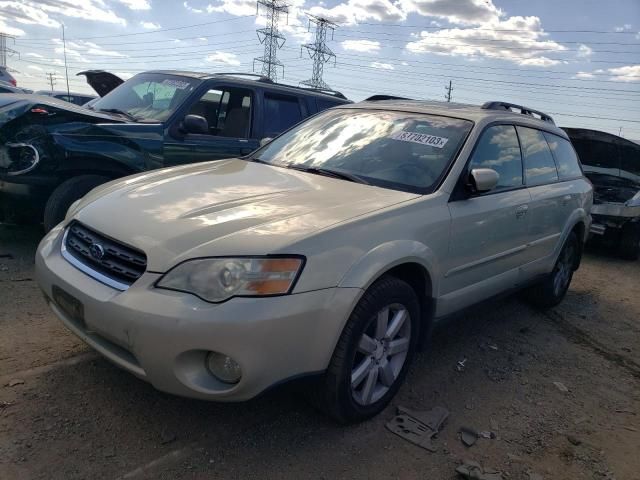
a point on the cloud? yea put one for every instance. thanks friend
(466, 12)
(137, 4)
(150, 25)
(35, 67)
(8, 30)
(361, 45)
(629, 73)
(383, 66)
(192, 9)
(520, 40)
(34, 55)
(79, 50)
(355, 11)
(223, 57)
(584, 51)
(623, 28)
(32, 12)
(233, 7)
(586, 75)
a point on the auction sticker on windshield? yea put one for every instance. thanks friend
(179, 84)
(421, 138)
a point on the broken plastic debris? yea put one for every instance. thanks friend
(16, 381)
(468, 436)
(474, 471)
(461, 364)
(418, 427)
(561, 386)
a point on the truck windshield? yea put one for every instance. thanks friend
(397, 150)
(147, 97)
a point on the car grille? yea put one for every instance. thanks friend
(101, 256)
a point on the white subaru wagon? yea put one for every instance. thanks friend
(329, 252)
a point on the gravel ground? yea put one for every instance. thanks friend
(66, 413)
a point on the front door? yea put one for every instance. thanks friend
(489, 232)
(228, 113)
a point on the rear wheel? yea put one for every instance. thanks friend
(630, 241)
(373, 353)
(553, 288)
(65, 194)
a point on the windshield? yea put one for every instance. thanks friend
(148, 97)
(398, 150)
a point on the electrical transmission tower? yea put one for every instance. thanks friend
(319, 52)
(448, 89)
(271, 37)
(4, 50)
(51, 77)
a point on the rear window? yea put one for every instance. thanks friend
(280, 113)
(540, 167)
(566, 158)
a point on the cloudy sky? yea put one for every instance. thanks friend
(576, 59)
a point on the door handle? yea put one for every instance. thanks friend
(521, 211)
(565, 200)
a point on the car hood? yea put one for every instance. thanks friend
(226, 207)
(102, 82)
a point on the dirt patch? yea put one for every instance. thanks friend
(76, 416)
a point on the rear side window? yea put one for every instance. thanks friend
(566, 159)
(498, 149)
(539, 165)
(280, 113)
(324, 104)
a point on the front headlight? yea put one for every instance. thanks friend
(218, 279)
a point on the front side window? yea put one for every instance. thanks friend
(226, 110)
(540, 167)
(148, 97)
(398, 150)
(499, 150)
(566, 158)
(280, 113)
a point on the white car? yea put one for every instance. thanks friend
(330, 251)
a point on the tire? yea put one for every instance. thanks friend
(553, 288)
(630, 241)
(334, 394)
(65, 194)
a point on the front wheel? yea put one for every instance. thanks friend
(553, 288)
(65, 194)
(373, 353)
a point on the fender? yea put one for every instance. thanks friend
(578, 216)
(384, 257)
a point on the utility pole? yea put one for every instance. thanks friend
(271, 37)
(4, 50)
(319, 52)
(448, 89)
(66, 71)
(51, 76)
(620, 132)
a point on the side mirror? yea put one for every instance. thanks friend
(195, 124)
(265, 140)
(483, 179)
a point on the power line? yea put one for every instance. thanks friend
(271, 37)
(319, 52)
(4, 50)
(514, 30)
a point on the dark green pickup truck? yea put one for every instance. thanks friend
(53, 152)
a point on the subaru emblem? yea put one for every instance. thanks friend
(97, 251)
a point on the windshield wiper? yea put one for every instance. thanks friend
(327, 172)
(119, 112)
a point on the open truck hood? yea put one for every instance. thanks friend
(102, 82)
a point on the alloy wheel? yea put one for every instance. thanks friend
(381, 354)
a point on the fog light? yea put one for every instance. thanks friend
(224, 368)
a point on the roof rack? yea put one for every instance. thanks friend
(326, 91)
(375, 98)
(523, 110)
(259, 78)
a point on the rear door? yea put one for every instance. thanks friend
(489, 232)
(549, 196)
(228, 112)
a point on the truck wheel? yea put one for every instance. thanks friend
(630, 241)
(553, 288)
(373, 353)
(65, 194)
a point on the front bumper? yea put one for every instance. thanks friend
(163, 336)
